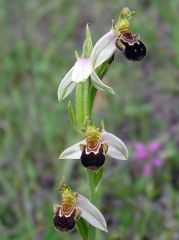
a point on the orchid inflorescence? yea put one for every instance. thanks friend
(85, 77)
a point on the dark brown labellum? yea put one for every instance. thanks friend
(91, 159)
(135, 52)
(64, 222)
(133, 48)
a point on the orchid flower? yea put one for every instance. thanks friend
(119, 37)
(72, 207)
(94, 148)
(79, 73)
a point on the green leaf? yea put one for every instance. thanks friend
(82, 228)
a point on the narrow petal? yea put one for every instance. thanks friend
(91, 214)
(103, 49)
(82, 70)
(66, 86)
(116, 148)
(73, 152)
(99, 84)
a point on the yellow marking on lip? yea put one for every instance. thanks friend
(67, 206)
(92, 143)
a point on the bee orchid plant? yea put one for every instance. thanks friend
(85, 77)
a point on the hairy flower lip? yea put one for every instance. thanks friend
(64, 220)
(116, 148)
(93, 158)
(79, 73)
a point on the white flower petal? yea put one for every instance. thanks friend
(99, 84)
(82, 70)
(116, 148)
(90, 213)
(73, 152)
(103, 49)
(66, 86)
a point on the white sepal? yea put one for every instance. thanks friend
(90, 213)
(99, 84)
(73, 152)
(82, 70)
(116, 148)
(103, 49)
(66, 86)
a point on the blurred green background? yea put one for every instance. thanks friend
(37, 44)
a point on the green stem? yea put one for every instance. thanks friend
(92, 192)
(82, 102)
(85, 95)
(86, 99)
(92, 197)
(79, 103)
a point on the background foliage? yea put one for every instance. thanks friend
(38, 39)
